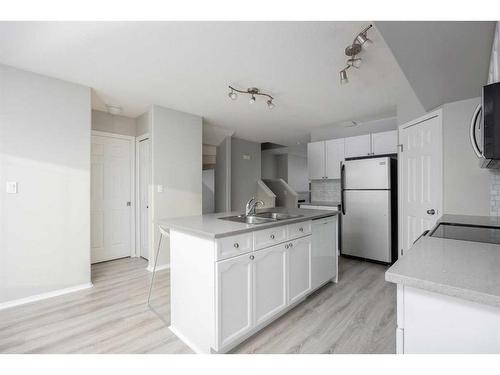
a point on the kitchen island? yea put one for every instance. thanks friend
(229, 279)
(448, 288)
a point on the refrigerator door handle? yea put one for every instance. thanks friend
(342, 200)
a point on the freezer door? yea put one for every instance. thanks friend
(366, 229)
(367, 173)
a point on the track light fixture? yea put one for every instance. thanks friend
(253, 92)
(359, 43)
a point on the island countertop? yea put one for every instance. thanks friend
(211, 226)
(463, 269)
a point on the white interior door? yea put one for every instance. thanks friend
(144, 171)
(111, 197)
(421, 177)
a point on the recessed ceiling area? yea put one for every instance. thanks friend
(443, 61)
(187, 66)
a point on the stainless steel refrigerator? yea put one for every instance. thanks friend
(368, 208)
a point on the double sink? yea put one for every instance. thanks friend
(261, 218)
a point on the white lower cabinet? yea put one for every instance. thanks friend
(217, 303)
(299, 269)
(234, 298)
(269, 282)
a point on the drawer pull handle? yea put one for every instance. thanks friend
(301, 229)
(236, 245)
(272, 236)
(252, 257)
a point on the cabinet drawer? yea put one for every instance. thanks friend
(269, 237)
(299, 229)
(228, 247)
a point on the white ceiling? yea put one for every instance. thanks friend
(187, 66)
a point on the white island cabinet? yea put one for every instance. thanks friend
(225, 289)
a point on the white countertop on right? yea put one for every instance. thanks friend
(463, 269)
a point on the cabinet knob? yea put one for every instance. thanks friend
(301, 229)
(252, 257)
(290, 245)
(236, 245)
(286, 246)
(272, 236)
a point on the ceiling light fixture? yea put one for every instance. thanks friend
(253, 92)
(360, 42)
(233, 95)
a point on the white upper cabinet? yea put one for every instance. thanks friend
(334, 150)
(385, 143)
(357, 146)
(316, 160)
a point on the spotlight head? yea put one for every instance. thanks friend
(363, 40)
(233, 95)
(354, 62)
(343, 77)
(252, 99)
(270, 104)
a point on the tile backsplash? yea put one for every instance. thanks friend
(495, 193)
(328, 191)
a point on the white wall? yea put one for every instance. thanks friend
(340, 130)
(177, 166)
(45, 147)
(466, 186)
(107, 122)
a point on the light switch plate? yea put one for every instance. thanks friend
(11, 187)
(246, 157)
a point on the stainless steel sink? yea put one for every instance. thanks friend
(277, 215)
(260, 218)
(248, 219)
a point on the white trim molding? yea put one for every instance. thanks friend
(42, 296)
(159, 268)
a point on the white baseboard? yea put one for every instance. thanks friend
(183, 338)
(39, 297)
(159, 268)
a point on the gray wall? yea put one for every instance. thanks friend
(45, 147)
(223, 176)
(466, 187)
(208, 189)
(107, 122)
(340, 130)
(244, 172)
(298, 177)
(177, 165)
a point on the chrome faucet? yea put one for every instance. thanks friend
(252, 205)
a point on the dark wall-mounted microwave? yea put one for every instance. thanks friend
(485, 127)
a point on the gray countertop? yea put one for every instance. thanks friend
(463, 269)
(211, 226)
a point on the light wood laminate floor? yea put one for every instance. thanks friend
(357, 315)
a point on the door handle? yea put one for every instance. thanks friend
(342, 184)
(432, 211)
